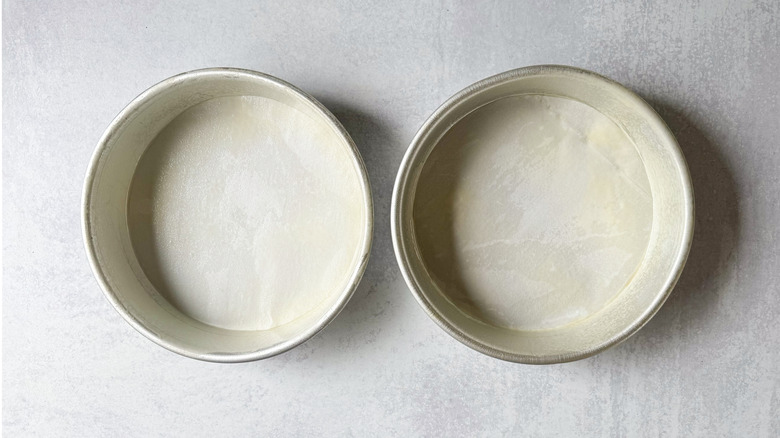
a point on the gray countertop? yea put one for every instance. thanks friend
(706, 365)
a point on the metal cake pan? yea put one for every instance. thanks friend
(542, 215)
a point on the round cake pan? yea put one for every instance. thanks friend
(542, 215)
(227, 215)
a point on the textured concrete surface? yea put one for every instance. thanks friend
(706, 365)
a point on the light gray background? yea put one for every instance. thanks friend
(707, 365)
